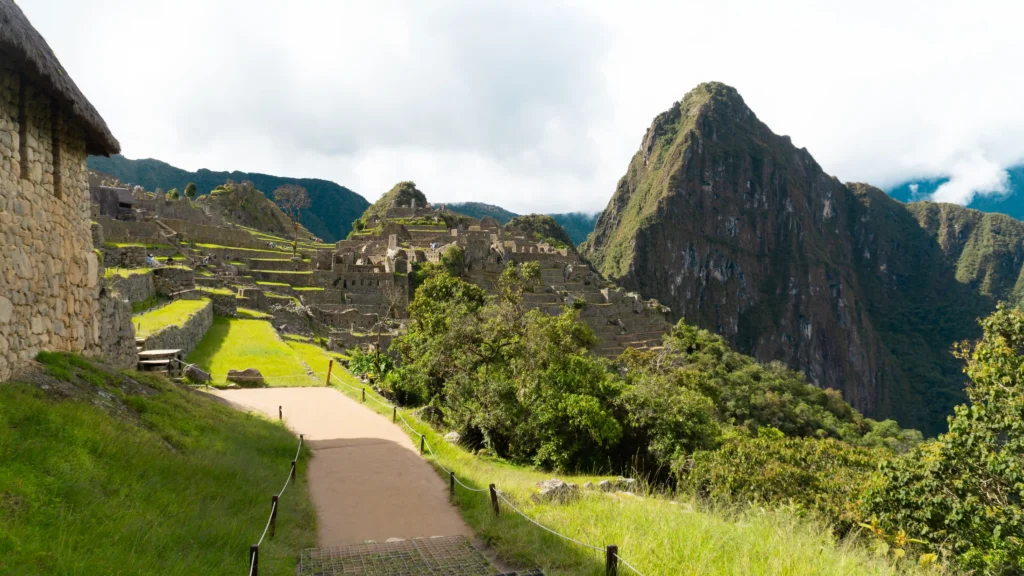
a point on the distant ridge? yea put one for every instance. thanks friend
(577, 224)
(333, 207)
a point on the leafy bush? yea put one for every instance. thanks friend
(825, 476)
(963, 492)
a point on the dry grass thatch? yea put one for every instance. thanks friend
(23, 44)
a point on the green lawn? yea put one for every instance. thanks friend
(221, 291)
(237, 344)
(125, 272)
(142, 244)
(174, 314)
(315, 357)
(266, 283)
(307, 288)
(142, 479)
(656, 533)
(252, 314)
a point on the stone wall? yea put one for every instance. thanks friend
(117, 333)
(134, 288)
(125, 231)
(97, 235)
(213, 235)
(223, 304)
(184, 337)
(171, 279)
(48, 271)
(124, 257)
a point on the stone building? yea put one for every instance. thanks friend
(49, 291)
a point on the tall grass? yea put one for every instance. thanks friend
(156, 481)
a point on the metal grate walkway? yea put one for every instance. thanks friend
(443, 556)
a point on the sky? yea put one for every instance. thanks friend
(538, 106)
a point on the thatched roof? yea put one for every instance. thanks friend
(20, 42)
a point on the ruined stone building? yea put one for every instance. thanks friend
(49, 295)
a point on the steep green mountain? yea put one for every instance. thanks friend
(742, 233)
(330, 215)
(577, 224)
(401, 195)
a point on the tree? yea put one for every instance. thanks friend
(191, 190)
(292, 198)
(172, 194)
(963, 492)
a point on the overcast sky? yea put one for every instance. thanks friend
(538, 106)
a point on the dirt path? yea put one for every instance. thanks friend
(366, 479)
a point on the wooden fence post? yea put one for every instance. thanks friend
(330, 366)
(451, 484)
(422, 441)
(254, 560)
(273, 514)
(280, 413)
(293, 469)
(611, 563)
(394, 414)
(364, 394)
(494, 499)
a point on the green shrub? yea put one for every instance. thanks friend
(962, 493)
(824, 476)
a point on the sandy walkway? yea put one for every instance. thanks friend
(366, 479)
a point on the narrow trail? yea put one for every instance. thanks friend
(366, 478)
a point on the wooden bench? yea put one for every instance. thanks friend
(167, 361)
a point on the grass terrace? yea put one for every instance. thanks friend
(277, 296)
(140, 244)
(251, 314)
(141, 477)
(125, 272)
(278, 284)
(237, 344)
(307, 289)
(220, 291)
(175, 313)
(246, 250)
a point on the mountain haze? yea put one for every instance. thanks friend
(330, 215)
(742, 233)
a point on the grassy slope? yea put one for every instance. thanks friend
(176, 313)
(655, 534)
(180, 486)
(237, 344)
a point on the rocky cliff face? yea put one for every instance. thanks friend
(742, 233)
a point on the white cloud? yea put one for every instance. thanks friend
(970, 176)
(538, 106)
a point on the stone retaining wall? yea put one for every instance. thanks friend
(134, 288)
(213, 235)
(117, 333)
(124, 257)
(171, 279)
(184, 337)
(223, 304)
(130, 231)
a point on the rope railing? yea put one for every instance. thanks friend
(254, 550)
(612, 557)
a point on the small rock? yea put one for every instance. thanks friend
(605, 485)
(625, 484)
(196, 374)
(452, 437)
(588, 485)
(556, 490)
(247, 376)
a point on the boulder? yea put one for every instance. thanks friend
(196, 374)
(625, 484)
(247, 376)
(605, 485)
(556, 490)
(452, 437)
(588, 485)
